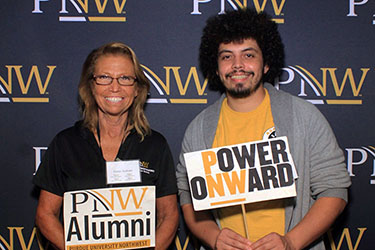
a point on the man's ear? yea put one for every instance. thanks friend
(265, 69)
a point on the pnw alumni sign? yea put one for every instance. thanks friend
(110, 218)
(242, 173)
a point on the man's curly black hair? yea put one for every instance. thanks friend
(236, 26)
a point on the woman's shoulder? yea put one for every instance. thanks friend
(156, 137)
(73, 132)
(155, 140)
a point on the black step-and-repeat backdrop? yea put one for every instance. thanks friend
(329, 47)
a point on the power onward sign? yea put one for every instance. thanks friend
(242, 173)
(110, 218)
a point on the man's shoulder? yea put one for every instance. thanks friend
(201, 130)
(212, 110)
(288, 102)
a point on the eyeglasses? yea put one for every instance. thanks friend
(122, 80)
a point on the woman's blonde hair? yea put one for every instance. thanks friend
(88, 105)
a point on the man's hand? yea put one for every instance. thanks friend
(273, 241)
(228, 239)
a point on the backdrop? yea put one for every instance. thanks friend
(329, 46)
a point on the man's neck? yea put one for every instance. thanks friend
(248, 103)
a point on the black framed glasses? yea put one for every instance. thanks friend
(122, 80)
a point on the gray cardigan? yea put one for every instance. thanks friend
(318, 159)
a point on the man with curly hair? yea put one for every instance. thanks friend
(241, 55)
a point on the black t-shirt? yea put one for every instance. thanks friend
(74, 161)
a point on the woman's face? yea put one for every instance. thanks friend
(114, 99)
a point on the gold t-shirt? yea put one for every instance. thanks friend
(235, 128)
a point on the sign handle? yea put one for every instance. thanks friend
(244, 220)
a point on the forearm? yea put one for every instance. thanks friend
(167, 220)
(207, 232)
(47, 218)
(52, 229)
(202, 225)
(316, 222)
(166, 231)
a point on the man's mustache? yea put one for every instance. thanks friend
(239, 71)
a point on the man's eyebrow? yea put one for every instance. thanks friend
(250, 49)
(224, 51)
(244, 50)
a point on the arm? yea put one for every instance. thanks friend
(316, 222)
(167, 219)
(322, 172)
(47, 218)
(202, 225)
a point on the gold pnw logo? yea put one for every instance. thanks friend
(19, 84)
(332, 86)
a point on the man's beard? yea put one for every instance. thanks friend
(239, 92)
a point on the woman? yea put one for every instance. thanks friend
(112, 91)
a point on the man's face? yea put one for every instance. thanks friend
(241, 67)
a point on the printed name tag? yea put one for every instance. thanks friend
(123, 172)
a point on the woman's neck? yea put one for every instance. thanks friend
(112, 133)
(112, 126)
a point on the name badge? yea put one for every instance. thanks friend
(123, 172)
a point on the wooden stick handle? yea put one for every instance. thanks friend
(244, 220)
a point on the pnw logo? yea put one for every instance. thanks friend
(353, 8)
(273, 7)
(177, 87)
(86, 11)
(358, 158)
(331, 86)
(22, 84)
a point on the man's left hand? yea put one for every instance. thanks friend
(273, 241)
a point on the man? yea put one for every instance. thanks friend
(240, 52)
